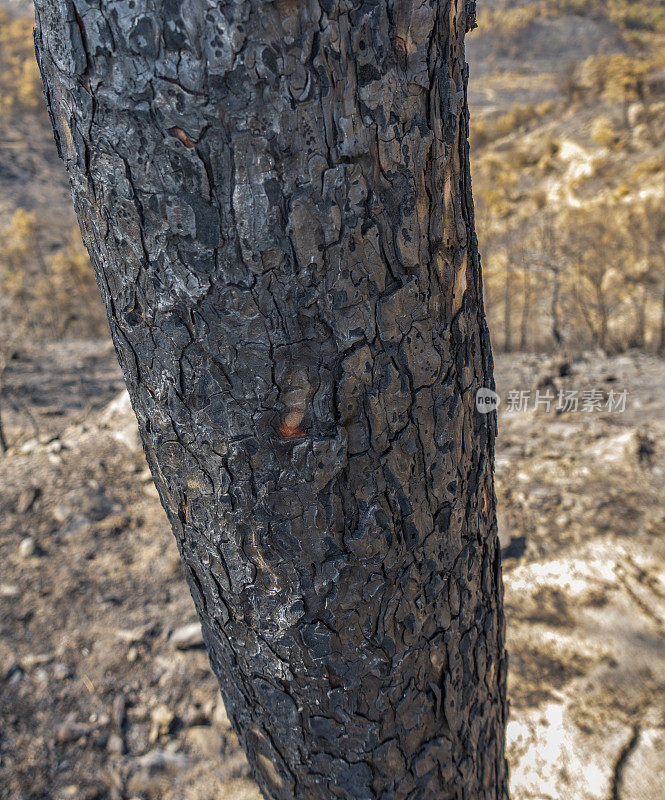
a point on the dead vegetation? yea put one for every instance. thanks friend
(20, 88)
(569, 190)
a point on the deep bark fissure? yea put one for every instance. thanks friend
(276, 200)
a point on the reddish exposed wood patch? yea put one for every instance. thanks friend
(180, 134)
(287, 431)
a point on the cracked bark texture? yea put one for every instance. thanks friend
(276, 200)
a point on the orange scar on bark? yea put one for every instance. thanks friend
(180, 134)
(295, 400)
(290, 427)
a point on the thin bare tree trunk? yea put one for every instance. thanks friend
(3, 366)
(526, 308)
(3, 439)
(641, 318)
(276, 199)
(556, 316)
(507, 312)
(661, 347)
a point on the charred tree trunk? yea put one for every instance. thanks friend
(277, 203)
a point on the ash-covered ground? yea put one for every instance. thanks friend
(105, 691)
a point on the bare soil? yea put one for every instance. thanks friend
(105, 691)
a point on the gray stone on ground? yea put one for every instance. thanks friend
(187, 637)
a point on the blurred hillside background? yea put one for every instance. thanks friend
(568, 121)
(105, 690)
(568, 111)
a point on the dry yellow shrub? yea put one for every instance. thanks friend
(20, 87)
(46, 293)
(603, 132)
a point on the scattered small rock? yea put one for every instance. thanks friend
(162, 716)
(133, 635)
(70, 731)
(119, 419)
(187, 637)
(196, 715)
(29, 549)
(13, 669)
(61, 672)
(161, 760)
(26, 500)
(29, 447)
(162, 719)
(16, 677)
(36, 660)
(119, 712)
(56, 446)
(115, 744)
(41, 676)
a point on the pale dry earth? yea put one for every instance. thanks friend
(106, 693)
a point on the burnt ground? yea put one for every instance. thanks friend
(105, 691)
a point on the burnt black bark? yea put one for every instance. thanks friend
(277, 203)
